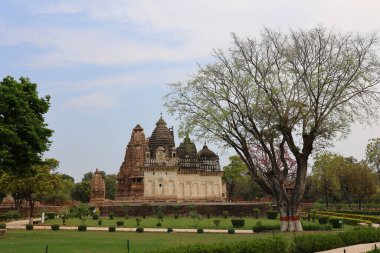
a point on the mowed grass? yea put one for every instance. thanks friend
(168, 222)
(19, 241)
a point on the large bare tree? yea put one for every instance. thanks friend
(291, 91)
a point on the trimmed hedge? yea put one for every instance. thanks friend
(55, 227)
(95, 216)
(169, 230)
(316, 227)
(323, 220)
(29, 227)
(100, 222)
(82, 228)
(267, 245)
(111, 229)
(231, 231)
(200, 230)
(315, 243)
(12, 215)
(120, 223)
(238, 223)
(352, 219)
(259, 227)
(272, 215)
(140, 230)
(51, 216)
(336, 222)
(3, 226)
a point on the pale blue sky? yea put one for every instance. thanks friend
(106, 63)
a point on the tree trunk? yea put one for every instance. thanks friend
(31, 211)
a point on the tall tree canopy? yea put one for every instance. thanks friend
(281, 91)
(234, 171)
(24, 135)
(372, 152)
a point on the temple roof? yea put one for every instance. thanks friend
(206, 153)
(161, 136)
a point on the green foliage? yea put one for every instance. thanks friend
(336, 222)
(158, 224)
(316, 227)
(80, 211)
(95, 216)
(12, 215)
(238, 223)
(235, 170)
(318, 242)
(24, 135)
(110, 215)
(196, 217)
(111, 229)
(120, 223)
(82, 228)
(3, 226)
(51, 216)
(138, 221)
(225, 214)
(323, 219)
(100, 222)
(200, 230)
(259, 227)
(267, 245)
(81, 191)
(140, 230)
(170, 230)
(216, 222)
(256, 212)
(272, 215)
(29, 227)
(231, 231)
(55, 227)
(159, 212)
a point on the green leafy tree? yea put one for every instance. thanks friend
(81, 191)
(373, 154)
(234, 171)
(24, 135)
(34, 186)
(110, 181)
(295, 91)
(325, 176)
(62, 191)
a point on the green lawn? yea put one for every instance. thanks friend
(168, 222)
(20, 241)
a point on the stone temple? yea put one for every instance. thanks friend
(154, 169)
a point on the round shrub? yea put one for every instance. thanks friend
(100, 222)
(231, 231)
(82, 228)
(110, 215)
(225, 214)
(323, 220)
(51, 216)
(200, 230)
(3, 226)
(216, 222)
(111, 229)
(29, 227)
(272, 215)
(158, 224)
(95, 216)
(55, 227)
(256, 212)
(238, 223)
(120, 223)
(335, 222)
(169, 230)
(126, 217)
(140, 230)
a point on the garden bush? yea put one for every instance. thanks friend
(29, 227)
(139, 230)
(169, 230)
(259, 227)
(238, 223)
(111, 229)
(100, 222)
(336, 222)
(200, 230)
(216, 222)
(3, 226)
(2, 217)
(12, 215)
(262, 245)
(95, 216)
(51, 215)
(256, 212)
(120, 223)
(318, 242)
(360, 235)
(316, 227)
(55, 227)
(323, 219)
(110, 215)
(231, 231)
(225, 214)
(272, 215)
(82, 228)
(158, 224)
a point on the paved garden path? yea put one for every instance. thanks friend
(353, 249)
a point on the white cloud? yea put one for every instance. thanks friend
(90, 102)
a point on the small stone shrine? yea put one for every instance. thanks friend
(98, 188)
